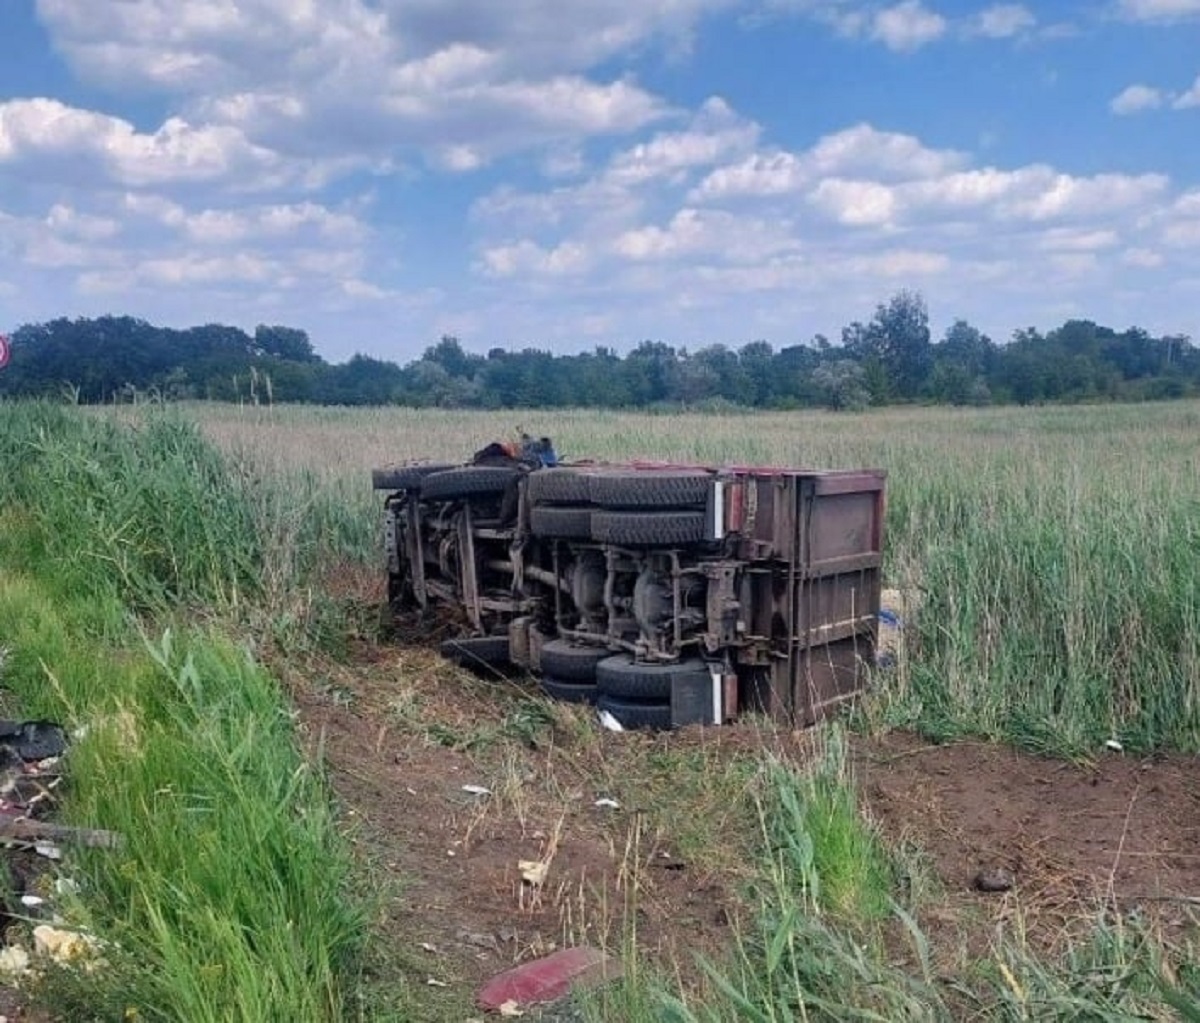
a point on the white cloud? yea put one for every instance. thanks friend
(855, 203)
(1135, 98)
(221, 227)
(53, 139)
(888, 154)
(69, 222)
(461, 82)
(760, 174)
(715, 133)
(1002, 21)
(1190, 98)
(856, 151)
(526, 257)
(907, 26)
(1160, 10)
(693, 232)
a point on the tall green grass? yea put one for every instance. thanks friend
(1049, 553)
(129, 557)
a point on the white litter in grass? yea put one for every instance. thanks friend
(51, 852)
(611, 804)
(32, 900)
(1115, 746)
(610, 722)
(477, 790)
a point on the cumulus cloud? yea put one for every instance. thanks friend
(715, 133)
(1136, 98)
(907, 26)
(857, 210)
(855, 151)
(461, 82)
(51, 138)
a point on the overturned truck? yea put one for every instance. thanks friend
(666, 594)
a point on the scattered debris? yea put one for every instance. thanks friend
(510, 1008)
(477, 790)
(479, 940)
(1115, 746)
(434, 982)
(608, 803)
(33, 740)
(994, 879)
(14, 961)
(610, 722)
(534, 871)
(896, 608)
(20, 829)
(64, 946)
(548, 979)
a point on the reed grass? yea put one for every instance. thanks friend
(129, 558)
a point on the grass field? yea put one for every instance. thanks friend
(1053, 550)
(1049, 558)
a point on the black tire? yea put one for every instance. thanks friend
(405, 477)
(636, 715)
(476, 651)
(557, 486)
(562, 523)
(647, 528)
(569, 692)
(624, 678)
(468, 481)
(570, 662)
(652, 488)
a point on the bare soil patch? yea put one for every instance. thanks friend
(402, 732)
(1119, 834)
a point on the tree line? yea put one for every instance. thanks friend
(888, 359)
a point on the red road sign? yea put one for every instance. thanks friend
(4, 351)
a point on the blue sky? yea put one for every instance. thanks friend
(565, 174)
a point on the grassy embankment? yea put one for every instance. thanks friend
(136, 567)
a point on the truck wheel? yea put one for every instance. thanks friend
(557, 486)
(636, 715)
(561, 523)
(571, 662)
(647, 528)
(569, 692)
(405, 477)
(476, 651)
(623, 677)
(468, 481)
(652, 488)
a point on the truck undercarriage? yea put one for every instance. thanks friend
(667, 594)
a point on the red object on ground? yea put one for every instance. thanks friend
(4, 351)
(548, 979)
